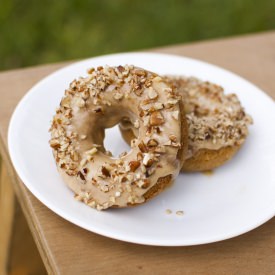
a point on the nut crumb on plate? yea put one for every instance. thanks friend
(180, 213)
(168, 211)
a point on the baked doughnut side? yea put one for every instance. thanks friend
(217, 123)
(205, 159)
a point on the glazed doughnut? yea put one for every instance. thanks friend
(101, 100)
(217, 123)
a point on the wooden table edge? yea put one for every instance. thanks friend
(36, 233)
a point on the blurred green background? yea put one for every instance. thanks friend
(34, 32)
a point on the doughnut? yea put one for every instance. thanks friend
(106, 96)
(217, 123)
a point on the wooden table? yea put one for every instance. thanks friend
(68, 249)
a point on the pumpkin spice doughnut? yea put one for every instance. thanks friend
(101, 100)
(217, 123)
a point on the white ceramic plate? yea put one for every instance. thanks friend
(237, 198)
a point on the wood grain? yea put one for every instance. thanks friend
(6, 216)
(18, 252)
(67, 249)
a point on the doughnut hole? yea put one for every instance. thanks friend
(106, 133)
(114, 143)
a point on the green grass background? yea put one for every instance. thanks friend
(34, 32)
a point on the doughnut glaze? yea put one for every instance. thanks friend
(101, 100)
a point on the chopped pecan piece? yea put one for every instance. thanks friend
(121, 68)
(81, 176)
(143, 183)
(142, 147)
(134, 165)
(152, 143)
(156, 119)
(152, 93)
(54, 143)
(105, 172)
(173, 138)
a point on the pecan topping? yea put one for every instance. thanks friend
(91, 70)
(142, 147)
(173, 138)
(80, 102)
(85, 170)
(152, 93)
(140, 72)
(118, 95)
(134, 165)
(148, 159)
(81, 176)
(98, 110)
(120, 68)
(105, 172)
(91, 152)
(152, 143)
(54, 143)
(156, 119)
(66, 102)
(136, 124)
(143, 183)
